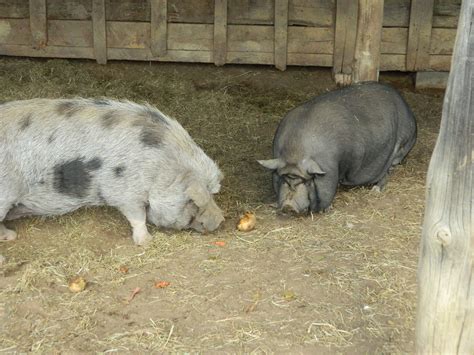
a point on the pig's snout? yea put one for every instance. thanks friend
(289, 207)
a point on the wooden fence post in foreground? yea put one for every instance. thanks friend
(445, 319)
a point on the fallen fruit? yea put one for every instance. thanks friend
(77, 284)
(161, 284)
(219, 243)
(247, 222)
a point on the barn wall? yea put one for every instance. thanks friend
(245, 33)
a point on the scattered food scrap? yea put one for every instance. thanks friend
(77, 284)
(219, 243)
(161, 284)
(247, 222)
(135, 291)
(123, 269)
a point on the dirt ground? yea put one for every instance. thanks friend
(339, 282)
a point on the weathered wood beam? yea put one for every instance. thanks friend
(220, 32)
(159, 27)
(281, 34)
(445, 319)
(38, 23)
(368, 39)
(344, 40)
(99, 31)
(419, 34)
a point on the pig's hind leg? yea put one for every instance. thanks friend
(136, 215)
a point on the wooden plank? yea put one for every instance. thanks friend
(47, 52)
(38, 24)
(393, 62)
(308, 59)
(69, 9)
(310, 40)
(246, 38)
(220, 32)
(445, 317)
(70, 33)
(250, 58)
(368, 41)
(14, 9)
(170, 56)
(446, 13)
(440, 62)
(281, 33)
(396, 13)
(311, 13)
(99, 31)
(159, 27)
(419, 34)
(256, 12)
(394, 40)
(431, 80)
(442, 41)
(15, 31)
(185, 11)
(344, 40)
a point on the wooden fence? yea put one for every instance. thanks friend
(417, 35)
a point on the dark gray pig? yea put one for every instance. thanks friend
(351, 136)
(59, 155)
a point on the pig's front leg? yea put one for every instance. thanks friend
(137, 218)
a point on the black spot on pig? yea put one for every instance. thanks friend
(68, 108)
(151, 137)
(118, 171)
(101, 102)
(74, 177)
(25, 122)
(153, 115)
(151, 134)
(94, 164)
(110, 119)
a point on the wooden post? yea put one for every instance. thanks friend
(445, 319)
(281, 33)
(159, 27)
(220, 32)
(344, 40)
(419, 34)
(368, 39)
(38, 23)
(100, 34)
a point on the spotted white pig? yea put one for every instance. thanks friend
(351, 136)
(59, 155)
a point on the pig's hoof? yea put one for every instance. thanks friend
(142, 239)
(7, 235)
(377, 189)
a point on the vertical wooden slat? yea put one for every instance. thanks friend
(419, 34)
(368, 40)
(281, 33)
(159, 27)
(220, 32)
(100, 34)
(344, 40)
(38, 23)
(445, 317)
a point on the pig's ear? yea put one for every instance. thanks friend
(272, 164)
(198, 194)
(311, 167)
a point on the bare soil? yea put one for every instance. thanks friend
(339, 282)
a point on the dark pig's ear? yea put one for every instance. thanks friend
(272, 164)
(198, 194)
(311, 167)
